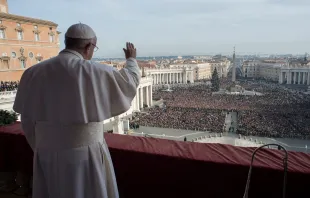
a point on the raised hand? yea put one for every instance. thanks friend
(130, 51)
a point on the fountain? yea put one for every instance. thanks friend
(168, 88)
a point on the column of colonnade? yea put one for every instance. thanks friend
(294, 77)
(172, 78)
(143, 97)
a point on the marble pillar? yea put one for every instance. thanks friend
(141, 98)
(289, 77)
(146, 95)
(118, 125)
(138, 99)
(150, 95)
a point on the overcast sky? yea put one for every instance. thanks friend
(182, 27)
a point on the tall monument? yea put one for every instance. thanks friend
(234, 66)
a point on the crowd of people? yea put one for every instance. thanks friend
(279, 112)
(184, 118)
(8, 85)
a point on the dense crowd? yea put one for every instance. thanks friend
(184, 118)
(8, 85)
(279, 112)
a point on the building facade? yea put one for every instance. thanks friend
(296, 72)
(202, 71)
(269, 70)
(222, 67)
(174, 75)
(284, 72)
(24, 42)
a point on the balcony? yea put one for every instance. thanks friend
(152, 168)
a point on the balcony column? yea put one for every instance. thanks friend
(118, 126)
(308, 78)
(150, 95)
(299, 78)
(141, 98)
(170, 77)
(138, 99)
(146, 93)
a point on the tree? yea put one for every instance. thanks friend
(7, 118)
(215, 81)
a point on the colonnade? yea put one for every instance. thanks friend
(172, 78)
(295, 77)
(143, 98)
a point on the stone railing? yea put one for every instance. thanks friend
(159, 70)
(8, 94)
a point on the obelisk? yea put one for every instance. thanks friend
(234, 66)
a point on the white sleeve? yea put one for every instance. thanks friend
(133, 69)
(125, 88)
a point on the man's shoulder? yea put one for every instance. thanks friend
(101, 67)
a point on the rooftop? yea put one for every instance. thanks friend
(27, 19)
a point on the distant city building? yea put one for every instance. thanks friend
(292, 71)
(24, 42)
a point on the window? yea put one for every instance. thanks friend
(23, 64)
(2, 34)
(13, 55)
(51, 28)
(30, 55)
(51, 38)
(0, 21)
(19, 35)
(36, 36)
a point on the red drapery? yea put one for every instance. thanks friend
(147, 167)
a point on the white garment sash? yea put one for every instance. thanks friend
(57, 136)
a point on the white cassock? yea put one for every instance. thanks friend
(63, 102)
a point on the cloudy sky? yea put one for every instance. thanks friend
(182, 27)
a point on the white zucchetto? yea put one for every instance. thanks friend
(80, 31)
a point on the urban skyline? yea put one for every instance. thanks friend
(170, 27)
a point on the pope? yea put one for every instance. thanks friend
(63, 102)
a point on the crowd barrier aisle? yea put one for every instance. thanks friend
(149, 167)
